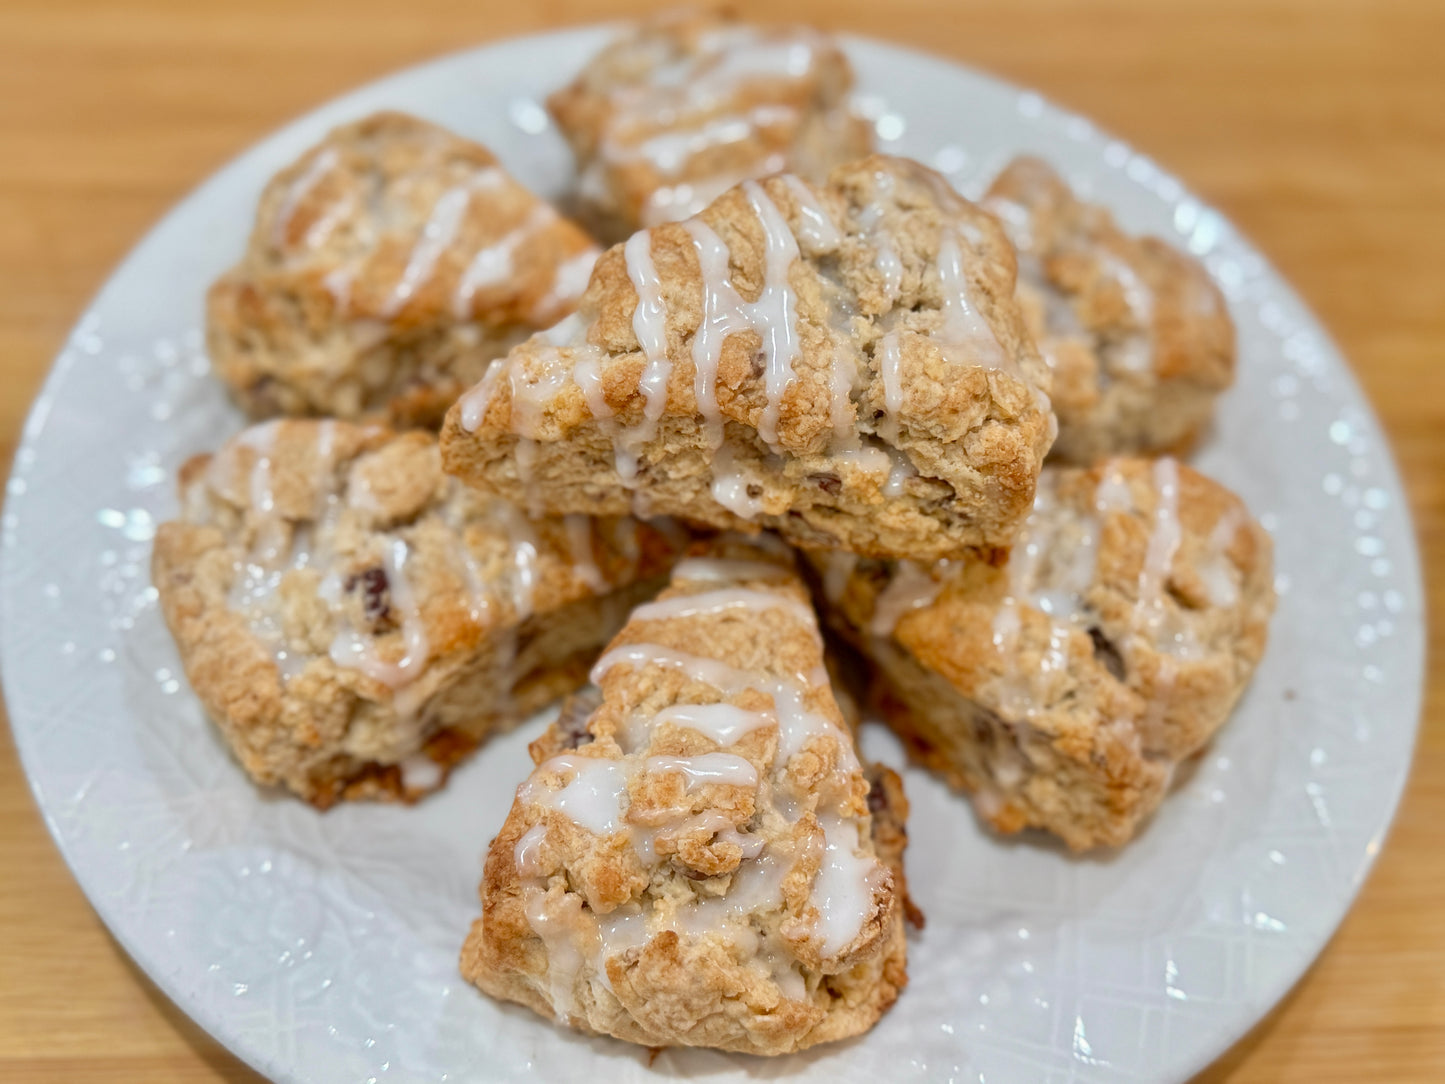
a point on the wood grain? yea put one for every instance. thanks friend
(1317, 125)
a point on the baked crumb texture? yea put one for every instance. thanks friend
(688, 104)
(355, 622)
(386, 268)
(1064, 689)
(699, 858)
(1138, 336)
(845, 364)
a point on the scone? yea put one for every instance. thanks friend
(1137, 333)
(355, 622)
(695, 862)
(686, 105)
(844, 364)
(386, 268)
(1064, 689)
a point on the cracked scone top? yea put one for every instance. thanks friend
(1064, 689)
(684, 106)
(695, 862)
(1137, 334)
(354, 621)
(387, 266)
(845, 364)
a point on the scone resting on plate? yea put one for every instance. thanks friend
(686, 105)
(1136, 332)
(1064, 689)
(845, 364)
(695, 862)
(386, 268)
(355, 622)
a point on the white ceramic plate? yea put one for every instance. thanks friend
(323, 947)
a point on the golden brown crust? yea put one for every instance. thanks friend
(846, 365)
(1064, 690)
(355, 622)
(728, 878)
(687, 104)
(1138, 335)
(387, 266)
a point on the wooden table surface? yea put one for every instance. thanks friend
(1317, 125)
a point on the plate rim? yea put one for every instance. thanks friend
(1224, 1036)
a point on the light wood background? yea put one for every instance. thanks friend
(1317, 125)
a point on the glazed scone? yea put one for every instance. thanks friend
(386, 268)
(695, 862)
(1136, 332)
(1064, 689)
(845, 364)
(686, 105)
(355, 622)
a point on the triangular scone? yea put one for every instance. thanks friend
(387, 267)
(686, 104)
(355, 621)
(845, 364)
(1064, 689)
(1138, 336)
(695, 862)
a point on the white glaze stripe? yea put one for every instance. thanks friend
(711, 603)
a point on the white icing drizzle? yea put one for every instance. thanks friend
(478, 398)
(440, 230)
(669, 151)
(591, 798)
(711, 569)
(534, 386)
(564, 957)
(1050, 569)
(757, 886)
(773, 316)
(1215, 568)
(1112, 494)
(775, 313)
(730, 486)
(1137, 294)
(885, 256)
(261, 440)
(842, 374)
(963, 326)
(320, 165)
(709, 603)
(912, 587)
(523, 566)
(723, 723)
(900, 470)
(526, 853)
(569, 282)
(354, 651)
(253, 592)
(725, 769)
(579, 547)
(797, 725)
(846, 883)
(649, 324)
(1149, 609)
(816, 227)
(492, 263)
(890, 364)
(338, 285)
(688, 94)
